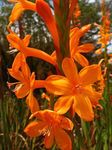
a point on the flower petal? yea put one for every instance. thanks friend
(85, 48)
(44, 11)
(81, 59)
(26, 40)
(70, 70)
(16, 12)
(83, 107)
(35, 128)
(90, 74)
(21, 91)
(66, 124)
(62, 139)
(63, 104)
(49, 139)
(58, 85)
(32, 102)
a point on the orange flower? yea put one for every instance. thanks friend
(52, 126)
(21, 72)
(22, 46)
(44, 10)
(20, 6)
(75, 48)
(77, 91)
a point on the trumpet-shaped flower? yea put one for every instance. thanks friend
(22, 46)
(75, 48)
(21, 72)
(52, 126)
(77, 91)
(20, 6)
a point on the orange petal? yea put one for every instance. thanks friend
(84, 29)
(58, 85)
(49, 139)
(35, 128)
(21, 91)
(70, 70)
(71, 9)
(14, 40)
(90, 74)
(17, 62)
(66, 124)
(16, 12)
(85, 48)
(16, 74)
(44, 11)
(26, 40)
(63, 104)
(62, 139)
(83, 107)
(38, 54)
(81, 59)
(32, 102)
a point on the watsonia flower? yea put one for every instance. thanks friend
(76, 90)
(26, 81)
(52, 126)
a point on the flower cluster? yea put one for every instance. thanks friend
(74, 90)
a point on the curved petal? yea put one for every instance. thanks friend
(49, 139)
(35, 128)
(32, 102)
(38, 54)
(83, 107)
(62, 139)
(58, 85)
(21, 90)
(66, 124)
(90, 74)
(70, 70)
(44, 11)
(13, 39)
(16, 74)
(63, 104)
(16, 12)
(71, 9)
(17, 62)
(85, 48)
(26, 40)
(81, 59)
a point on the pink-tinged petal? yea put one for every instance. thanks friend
(35, 128)
(70, 70)
(32, 103)
(85, 48)
(44, 11)
(16, 12)
(63, 104)
(58, 85)
(26, 40)
(49, 139)
(81, 59)
(83, 107)
(90, 74)
(21, 90)
(62, 139)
